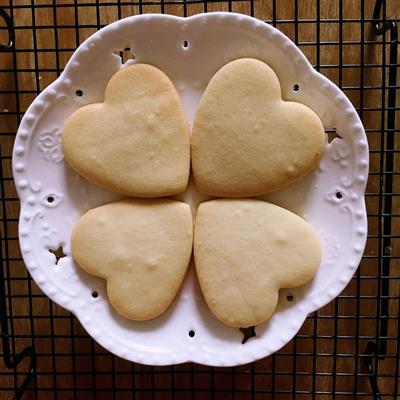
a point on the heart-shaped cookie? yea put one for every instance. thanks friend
(141, 247)
(136, 142)
(246, 140)
(245, 250)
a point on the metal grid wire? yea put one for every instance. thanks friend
(348, 349)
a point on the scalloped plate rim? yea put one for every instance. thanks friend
(308, 306)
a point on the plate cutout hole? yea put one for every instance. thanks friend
(79, 93)
(248, 333)
(332, 134)
(126, 54)
(50, 199)
(339, 195)
(95, 294)
(192, 333)
(296, 87)
(58, 253)
(289, 297)
(185, 44)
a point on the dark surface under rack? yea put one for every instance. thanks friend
(348, 349)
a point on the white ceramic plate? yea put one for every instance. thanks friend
(189, 51)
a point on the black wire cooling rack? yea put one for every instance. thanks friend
(348, 349)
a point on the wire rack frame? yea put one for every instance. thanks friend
(348, 349)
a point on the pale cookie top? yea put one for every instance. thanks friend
(246, 250)
(141, 247)
(136, 142)
(246, 139)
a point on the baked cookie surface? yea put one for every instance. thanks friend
(141, 247)
(246, 140)
(136, 142)
(245, 250)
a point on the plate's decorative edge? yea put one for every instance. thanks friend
(28, 191)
